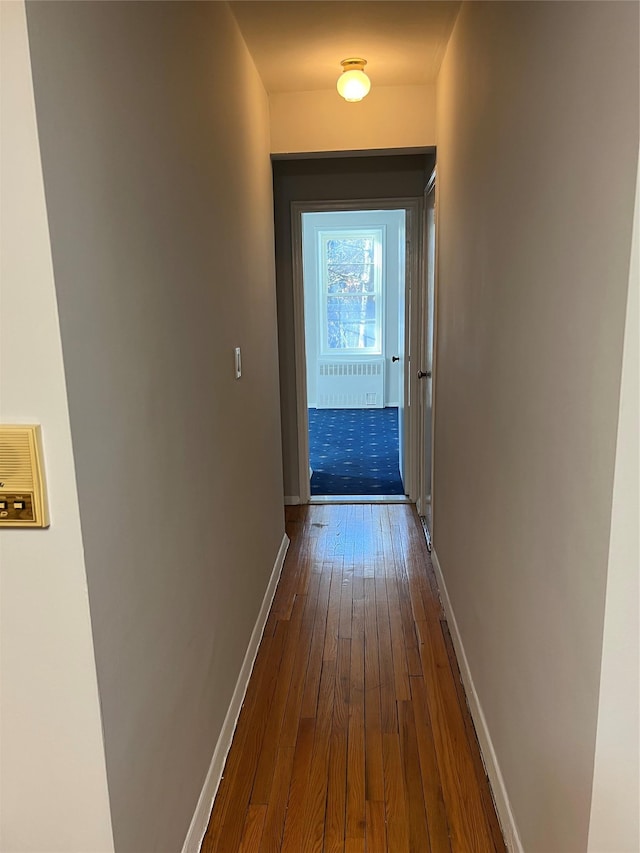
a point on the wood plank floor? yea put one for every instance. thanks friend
(355, 734)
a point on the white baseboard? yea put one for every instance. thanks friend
(291, 500)
(200, 820)
(501, 798)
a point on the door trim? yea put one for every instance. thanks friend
(426, 490)
(427, 360)
(414, 208)
(433, 184)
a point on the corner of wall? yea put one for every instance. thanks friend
(615, 822)
(51, 728)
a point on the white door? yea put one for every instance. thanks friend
(426, 361)
(399, 360)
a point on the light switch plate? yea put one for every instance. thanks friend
(23, 495)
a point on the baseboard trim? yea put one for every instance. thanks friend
(200, 819)
(501, 798)
(291, 500)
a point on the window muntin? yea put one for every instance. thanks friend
(351, 291)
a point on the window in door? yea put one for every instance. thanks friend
(352, 307)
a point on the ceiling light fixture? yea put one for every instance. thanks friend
(353, 84)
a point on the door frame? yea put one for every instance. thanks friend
(414, 208)
(426, 490)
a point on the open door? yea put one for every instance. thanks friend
(425, 373)
(400, 359)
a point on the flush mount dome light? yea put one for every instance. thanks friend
(353, 84)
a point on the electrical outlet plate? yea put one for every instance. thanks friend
(23, 496)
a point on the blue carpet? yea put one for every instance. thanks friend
(354, 452)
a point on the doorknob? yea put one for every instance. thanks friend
(423, 373)
(395, 358)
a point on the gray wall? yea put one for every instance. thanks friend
(159, 196)
(343, 179)
(537, 158)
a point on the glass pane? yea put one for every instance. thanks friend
(350, 278)
(350, 250)
(351, 323)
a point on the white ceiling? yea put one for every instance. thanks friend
(297, 45)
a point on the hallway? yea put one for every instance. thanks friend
(354, 734)
(157, 158)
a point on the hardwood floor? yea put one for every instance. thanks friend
(355, 734)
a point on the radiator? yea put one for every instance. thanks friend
(351, 384)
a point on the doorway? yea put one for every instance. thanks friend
(355, 268)
(354, 283)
